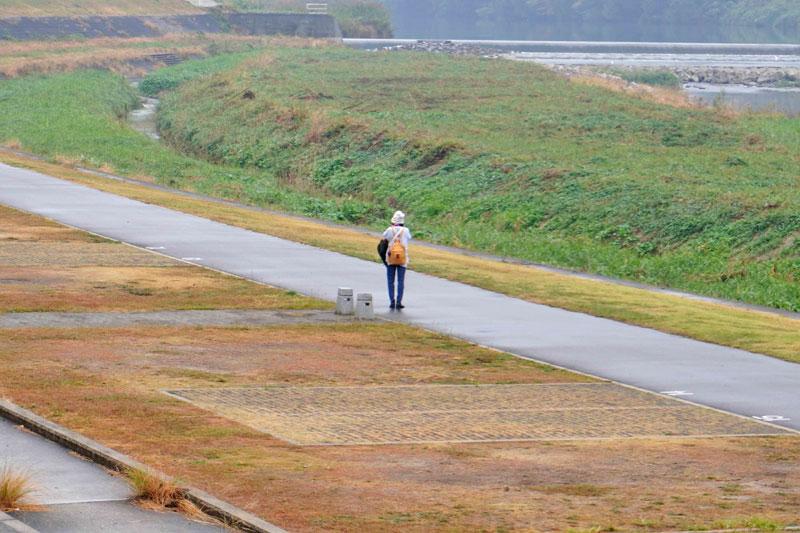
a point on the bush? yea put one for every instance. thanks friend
(659, 78)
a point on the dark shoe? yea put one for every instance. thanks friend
(399, 306)
(392, 306)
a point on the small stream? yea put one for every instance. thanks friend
(143, 119)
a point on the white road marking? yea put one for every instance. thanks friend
(677, 393)
(772, 418)
(156, 247)
(191, 258)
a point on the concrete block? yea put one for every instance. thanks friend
(364, 308)
(344, 302)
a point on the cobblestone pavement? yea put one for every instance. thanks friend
(465, 413)
(77, 254)
(166, 318)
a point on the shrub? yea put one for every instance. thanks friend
(15, 486)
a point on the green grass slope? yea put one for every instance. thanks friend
(80, 117)
(511, 159)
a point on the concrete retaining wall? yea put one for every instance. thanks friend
(34, 28)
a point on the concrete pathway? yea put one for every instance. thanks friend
(733, 380)
(76, 495)
(231, 317)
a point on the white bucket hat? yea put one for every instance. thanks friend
(399, 218)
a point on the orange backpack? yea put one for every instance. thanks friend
(397, 252)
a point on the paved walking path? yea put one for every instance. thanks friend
(725, 378)
(232, 317)
(76, 495)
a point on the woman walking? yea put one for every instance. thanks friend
(397, 237)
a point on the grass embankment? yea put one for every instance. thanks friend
(67, 8)
(512, 159)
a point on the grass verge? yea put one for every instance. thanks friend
(48, 267)
(749, 330)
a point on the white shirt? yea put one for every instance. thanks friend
(402, 234)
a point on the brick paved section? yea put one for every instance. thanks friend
(74, 254)
(463, 413)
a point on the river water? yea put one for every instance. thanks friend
(785, 101)
(143, 119)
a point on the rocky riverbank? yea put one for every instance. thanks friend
(750, 76)
(767, 77)
(445, 47)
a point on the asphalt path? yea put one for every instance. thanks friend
(72, 494)
(732, 380)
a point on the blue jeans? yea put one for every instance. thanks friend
(400, 273)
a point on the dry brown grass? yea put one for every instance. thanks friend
(153, 490)
(15, 487)
(13, 144)
(122, 55)
(115, 58)
(341, 355)
(659, 95)
(89, 380)
(158, 494)
(47, 267)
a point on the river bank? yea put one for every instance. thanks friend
(744, 76)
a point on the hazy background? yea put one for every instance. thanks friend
(759, 21)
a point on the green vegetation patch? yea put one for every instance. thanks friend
(658, 78)
(80, 117)
(512, 159)
(490, 155)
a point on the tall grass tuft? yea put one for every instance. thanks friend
(154, 490)
(15, 486)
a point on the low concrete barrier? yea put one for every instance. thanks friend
(102, 455)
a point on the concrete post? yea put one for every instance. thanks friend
(364, 309)
(344, 302)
